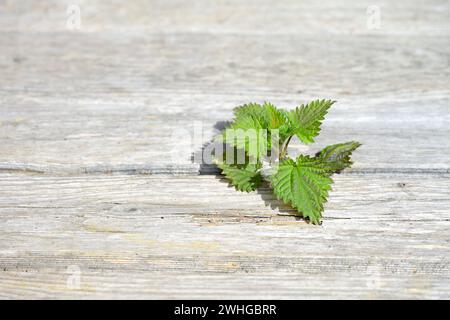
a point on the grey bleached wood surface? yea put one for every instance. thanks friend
(87, 122)
(384, 236)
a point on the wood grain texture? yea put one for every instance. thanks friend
(181, 236)
(98, 105)
(110, 96)
(424, 17)
(89, 118)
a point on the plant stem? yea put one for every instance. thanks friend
(284, 148)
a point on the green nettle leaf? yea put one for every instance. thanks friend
(250, 109)
(303, 182)
(337, 156)
(244, 177)
(253, 126)
(277, 119)
(306, 119)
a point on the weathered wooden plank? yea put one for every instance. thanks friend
(384, 236)
(131, 284)
(110, 101)
(111, 65)
(101, 136)
(426, 17)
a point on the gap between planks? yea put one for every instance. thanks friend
(193, 169)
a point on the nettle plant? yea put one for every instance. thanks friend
(253, 148)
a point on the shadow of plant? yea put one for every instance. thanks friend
(208, 168)
(264, 191)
